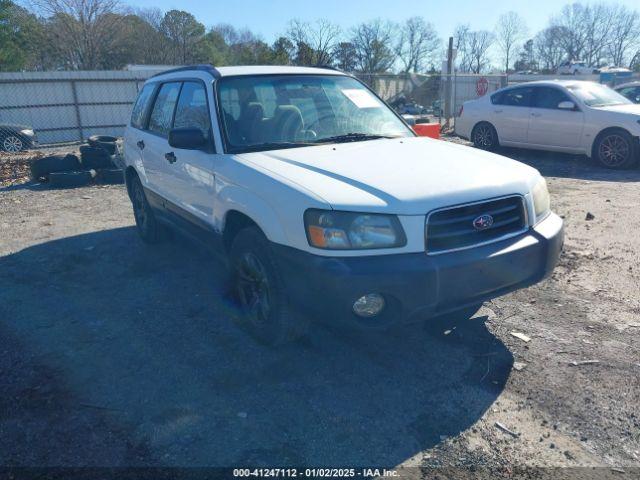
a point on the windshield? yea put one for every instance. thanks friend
(594, 95)
(283, 111)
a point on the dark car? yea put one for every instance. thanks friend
(15, 138)
(630, 90)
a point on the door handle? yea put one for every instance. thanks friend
(171, 157)
(140, 144)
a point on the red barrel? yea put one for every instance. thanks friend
(427, 130)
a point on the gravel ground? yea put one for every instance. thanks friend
(113, 353)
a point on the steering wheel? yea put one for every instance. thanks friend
(310, 128)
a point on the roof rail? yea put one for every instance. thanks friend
(202, 67)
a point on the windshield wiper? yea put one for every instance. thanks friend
(353, 137)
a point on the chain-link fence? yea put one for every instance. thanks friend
(432, 97)
(47, 108)
(50, 108)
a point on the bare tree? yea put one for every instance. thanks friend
(572, 30)
(598, 22)
(626, 25)
(461, 44)
(85, 28)
(479, 44)
(511, 29)
(549, 50)
(320, 38)
(372, 42)
(472, 48)
(418, 44)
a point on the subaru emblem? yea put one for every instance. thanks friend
(483, 222)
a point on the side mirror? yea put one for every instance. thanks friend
(187, 138)
(567, 105)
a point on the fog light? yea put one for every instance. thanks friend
(369, 305)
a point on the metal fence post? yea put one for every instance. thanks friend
(76, 106)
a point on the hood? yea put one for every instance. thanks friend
(632, 108)
(408, 176)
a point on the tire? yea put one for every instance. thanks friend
(11, 143)
(615, 149)
(71, 179)
(485, 137)
(43, 167)
(105, 142)
(148, 227)
(111, 176)
(260, 290)
(95, 157)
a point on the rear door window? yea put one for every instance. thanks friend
(515, 97)
(548, 97)
(141, 106)
(161, 116)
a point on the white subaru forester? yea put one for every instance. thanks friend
(325, 202)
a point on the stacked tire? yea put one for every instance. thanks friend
(97, 162)
(101, 155)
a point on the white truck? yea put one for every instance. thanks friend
(325, 203)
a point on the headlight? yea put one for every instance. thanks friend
(541, 201)
(28, 132)
(334, 230)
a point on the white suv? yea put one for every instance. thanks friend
(324, 201)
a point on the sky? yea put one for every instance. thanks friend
(269, 18)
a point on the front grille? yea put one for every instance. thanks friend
(453, 228)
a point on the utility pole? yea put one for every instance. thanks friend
(447, 88)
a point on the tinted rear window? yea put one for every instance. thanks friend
(515, 97)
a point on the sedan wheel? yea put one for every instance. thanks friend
(615, 150)
(12, 144)
(484, 137)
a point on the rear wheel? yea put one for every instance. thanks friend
(260, 290)
(615, 149)
(485, 137)
(148, 227)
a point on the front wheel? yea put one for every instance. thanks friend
(616, 150)
(260, 290)
(485, 137)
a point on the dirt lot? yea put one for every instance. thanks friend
(113, 353)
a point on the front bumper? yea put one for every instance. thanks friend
(417, 285)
